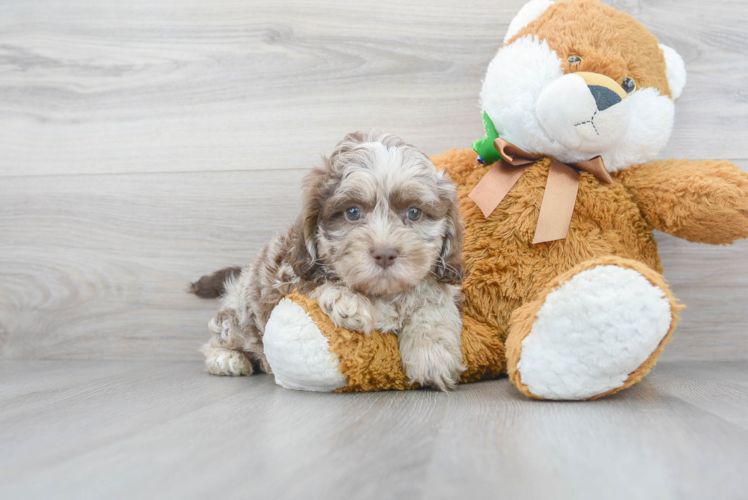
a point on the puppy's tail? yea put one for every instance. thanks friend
(213, 285)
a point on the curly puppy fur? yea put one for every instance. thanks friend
(378, 244)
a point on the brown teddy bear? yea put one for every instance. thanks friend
(563, 290)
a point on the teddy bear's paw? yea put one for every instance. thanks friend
(298, 353)
(227, 362)
(348, 309)
(596, 333)
(436, 364)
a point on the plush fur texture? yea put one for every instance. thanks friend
(298, 351)
(591, 328)
(508, 278)
(366, 362)
(518, 297)
(527, 14)
(543, 107)
(700, 201)
(676, 71)
(375, 198)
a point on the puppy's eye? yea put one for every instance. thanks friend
(414, 213)
(574, 60)
(629, 85)
(353, 213)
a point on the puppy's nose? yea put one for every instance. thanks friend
(384, 257)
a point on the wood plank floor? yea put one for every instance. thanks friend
(123, 430)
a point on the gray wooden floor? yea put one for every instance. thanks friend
(123, 430)
(145, 143)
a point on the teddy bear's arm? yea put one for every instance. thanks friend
(701, 201)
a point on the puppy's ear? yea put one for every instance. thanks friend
(304, 232)
(450, 268)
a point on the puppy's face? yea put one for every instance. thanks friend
(385, 217)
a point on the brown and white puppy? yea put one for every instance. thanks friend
(378, 244)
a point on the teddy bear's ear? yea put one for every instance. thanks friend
(676, 71)
(527, 14)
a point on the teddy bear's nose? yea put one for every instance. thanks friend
(606, 91)
(604, 97)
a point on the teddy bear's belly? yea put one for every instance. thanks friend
(504, 269)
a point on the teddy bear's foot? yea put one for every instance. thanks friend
(297, 351)
(595, 330)
(307, 351)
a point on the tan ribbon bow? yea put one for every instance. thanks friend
(560, 188)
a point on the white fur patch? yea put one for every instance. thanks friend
(298, 353)
(511, 101)
(527, 14)
(650, 127)
(580, 126)
(676, 71)
(592, 332)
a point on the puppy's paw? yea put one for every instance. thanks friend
(220, 361)
(225, 329)
(349, 310)
(432, 364)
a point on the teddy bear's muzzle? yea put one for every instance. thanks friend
(604, 90)
(587, 112)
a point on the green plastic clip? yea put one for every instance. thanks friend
(485, 148)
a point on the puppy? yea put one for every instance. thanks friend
(378, 244)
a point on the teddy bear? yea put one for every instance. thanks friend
(564, 291)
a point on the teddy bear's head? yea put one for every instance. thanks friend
(577, 79)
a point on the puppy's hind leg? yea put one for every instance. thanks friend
(221, 361)
(224, 354)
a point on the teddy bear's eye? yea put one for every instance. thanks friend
(574, 60)
(629, 85)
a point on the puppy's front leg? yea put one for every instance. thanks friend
(346, 308)
(430, 345)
